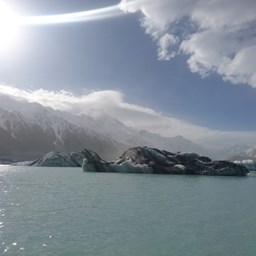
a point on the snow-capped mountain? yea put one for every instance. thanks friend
(175, 144)
(30, 129)
(249, 153)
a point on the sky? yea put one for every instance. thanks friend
(187, 61)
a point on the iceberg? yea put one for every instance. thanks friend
(155, 161)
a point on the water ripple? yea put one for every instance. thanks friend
(67, 212)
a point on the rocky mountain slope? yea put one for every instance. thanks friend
(28, 130)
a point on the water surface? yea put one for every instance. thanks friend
(63, 211)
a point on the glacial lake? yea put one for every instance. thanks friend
(66, 212)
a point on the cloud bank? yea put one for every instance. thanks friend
(112, 103)
(218, 36)
(109, 102)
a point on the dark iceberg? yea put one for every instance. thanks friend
(155, 161)
(144, 160)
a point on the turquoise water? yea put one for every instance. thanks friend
(63, 211)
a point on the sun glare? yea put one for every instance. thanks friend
(8, 26)
(11, 23)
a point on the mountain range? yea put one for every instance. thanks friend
(241, 152)
(28, 130)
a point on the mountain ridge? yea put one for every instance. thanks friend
(29, 130)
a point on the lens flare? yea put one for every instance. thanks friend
(11, 23)
(97, 14)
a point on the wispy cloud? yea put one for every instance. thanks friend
(108, 102)
(218, 36)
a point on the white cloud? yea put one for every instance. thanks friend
(166, 41)
(241, 69)
(217, 35)
(111, 103)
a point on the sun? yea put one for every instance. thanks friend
(8, 26)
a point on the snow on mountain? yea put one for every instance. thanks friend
(241, 152)
(30, 129)
(175, 144)
(247, 154)
(251, 153)
(115, 129)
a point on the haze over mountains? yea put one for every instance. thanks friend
(241, 152)
(28, 130)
